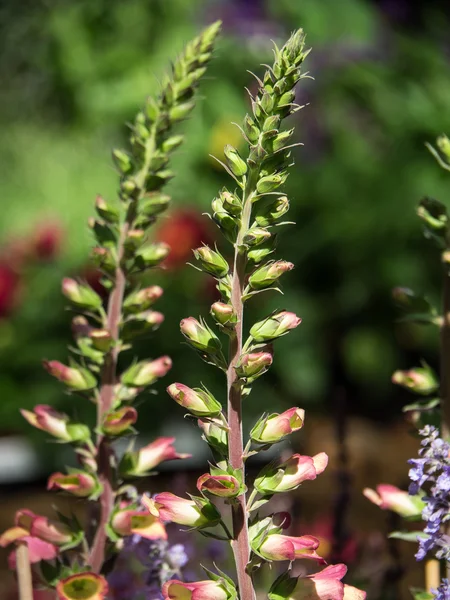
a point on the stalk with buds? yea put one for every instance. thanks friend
(247, 215)
(67, 558)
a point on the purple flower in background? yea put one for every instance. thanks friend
(143, 566)
(443, 591)
(433, 467)
(248, 19)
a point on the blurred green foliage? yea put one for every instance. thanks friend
(75, 71)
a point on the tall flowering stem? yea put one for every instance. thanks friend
(247, 216)
(122, 253)
(144, 174)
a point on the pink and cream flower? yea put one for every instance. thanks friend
(277, 547)
(198, 590)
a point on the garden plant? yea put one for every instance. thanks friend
(428, 499)
(76, 557)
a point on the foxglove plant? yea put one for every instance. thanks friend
(246, 215)
(74, 560)
(431, 414)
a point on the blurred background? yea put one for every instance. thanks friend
(74, 73)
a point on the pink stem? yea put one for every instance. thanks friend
(240, 543)
(104, 451)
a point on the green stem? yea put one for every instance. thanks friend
(251, 499)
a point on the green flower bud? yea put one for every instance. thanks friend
(237, 166)
(254, 364)
(215, 434)
(81, 295)
(152, 255)
(101, 339)
(133, 240)
(223, 314)
(224, 220)
(270, 182)
(76, 378)
(128, 186)
(271, 123)
(146, 372)
(266, 275)
(106, 212)
(198, 402)
(104, 233)
(172, 143)
(443, 143)
(250, 129)
(419, 380)
(154, 203)
(433, 213)
(123, 161)
(286, 99)
(140, 300)
(141, 324)
(200, 336)
(231, 203)
(256, 254)
(211, 261)
(280, 140)
(181, 111)
(256, 236)
(272, 212)
(274, 326)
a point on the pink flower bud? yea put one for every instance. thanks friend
(119, 421)
(101, 339)
(198, 590)
(81, 327)
(268, 274)
(52, 532)
(290, 474)
(254, 364)
(224, 486)
(47, 419)
(200, 336)
(275, 427)
(212, 262)
(81, 295)
(146, 459)
(389, 497)
(141, 300)
(57, 424)
(223, 314)
(285, 547)
(129, 521)
(274, 326)
(198, 513)
(325, 585)
(146, 372)
(419, 380)
(85, 586)
(76, 378)
(215, 434)
(197, 401)
(79, 484)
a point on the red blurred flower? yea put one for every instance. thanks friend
(184, 230)
(46, 241)
(9, 289)
(322, 528)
